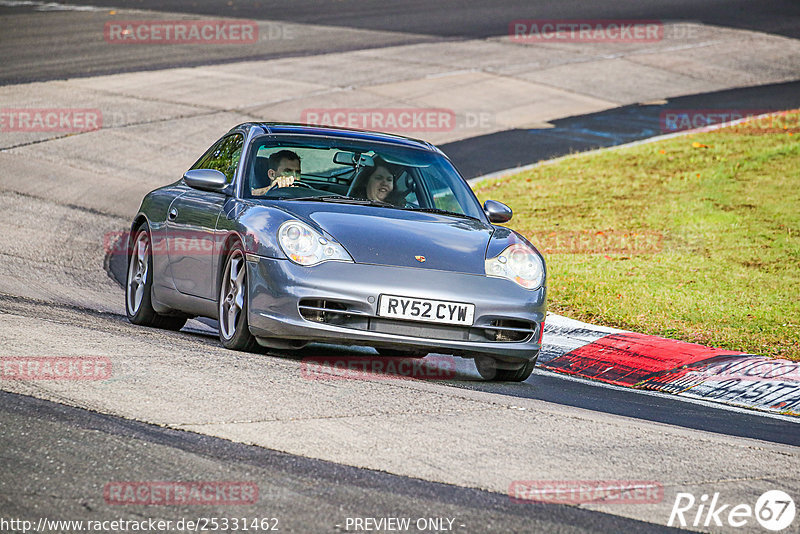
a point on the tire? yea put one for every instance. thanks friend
(488, 370)
(234, 331)
(398, 353)
(139, 286)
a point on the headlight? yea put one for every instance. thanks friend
(518, 263)
(304, 245)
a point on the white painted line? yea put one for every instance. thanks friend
(51, 6)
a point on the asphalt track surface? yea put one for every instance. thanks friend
(305, 495)
(366, 24)
(43, 51)
(479, 19)
(314, 495)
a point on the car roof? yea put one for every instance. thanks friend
(289, 128)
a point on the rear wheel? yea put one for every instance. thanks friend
(488, 369)
(139, 286)
(234, 331)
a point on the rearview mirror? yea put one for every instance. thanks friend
(206, 180)
(345, 158)
(497, 211)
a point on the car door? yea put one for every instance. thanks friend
(192, 220)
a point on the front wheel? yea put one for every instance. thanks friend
(488, 369)
(234, 332)
(139, 286)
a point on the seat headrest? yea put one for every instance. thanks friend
(260, 177)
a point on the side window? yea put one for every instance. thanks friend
(443, 196)
(406, 185)
(224, 156)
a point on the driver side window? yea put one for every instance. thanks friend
(224, 156)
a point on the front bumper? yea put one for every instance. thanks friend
(280, 292)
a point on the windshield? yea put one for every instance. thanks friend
(337, 170)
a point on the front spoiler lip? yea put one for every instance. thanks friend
(311, 331)
(277, 286)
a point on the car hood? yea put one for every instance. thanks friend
(404, 238)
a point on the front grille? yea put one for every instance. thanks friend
(415, 329)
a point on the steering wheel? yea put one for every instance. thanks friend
(296, 183)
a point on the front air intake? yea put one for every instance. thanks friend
(509, 330)
(322, 311)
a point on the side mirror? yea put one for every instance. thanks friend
(497, 211)
(206, 180)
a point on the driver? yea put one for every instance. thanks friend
(284, 169)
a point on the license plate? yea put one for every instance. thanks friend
(428, 310)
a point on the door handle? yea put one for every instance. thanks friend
(173, 214)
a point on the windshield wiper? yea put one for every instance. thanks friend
(443, 212)
(345, 200)
(315, 197)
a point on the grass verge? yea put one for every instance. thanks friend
(694, 238)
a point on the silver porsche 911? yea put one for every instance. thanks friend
(289, 234)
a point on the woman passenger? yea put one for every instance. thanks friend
(378, 184)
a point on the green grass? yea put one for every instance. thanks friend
(694, 238)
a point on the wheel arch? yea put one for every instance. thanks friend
(138, 221)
